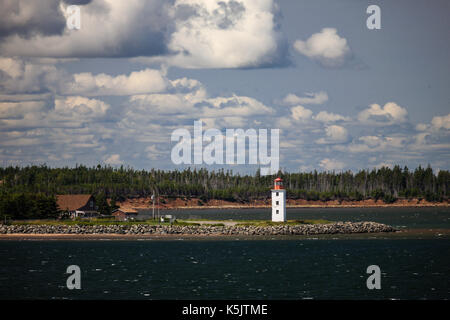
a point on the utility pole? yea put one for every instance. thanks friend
(159, 217)
(153, 205)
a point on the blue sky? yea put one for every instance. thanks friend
(343, 96)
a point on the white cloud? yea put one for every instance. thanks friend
(432, 136)
(235, 106)
(421, 127)
(153, 153)
(11, 67)
(335, 134)
(330, 164)
(185, 33)
(370, 144)
(324, 116)
(11, 110)
(441, 122)
(18, 76)
(224, 34)
(430, 133)
(80, 107)
(113, 159)
(310, 98)
(391, 113)
(326, 47)
(301, 113)
(144, 81)
(32, 75)
(184, 94)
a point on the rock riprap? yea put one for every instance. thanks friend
(137, 229)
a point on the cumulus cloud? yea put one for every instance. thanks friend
(185, 33)
(300, 113)
(441, 122)
(224, 34)
(331, 164)
(144, 81)
(324, 116)
(109, 28)
(391, 113)
(310, 98)
(153, 153)
(334, 134)
(370, 144)
(233, 111)
(49, 115)
(68, 112)
(80, 107)
(325, 47)
(184, 94)
(113, 159)
(431, 136)
(18, 76)
(23, 76)
(16, 110)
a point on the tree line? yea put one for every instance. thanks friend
(37, 185)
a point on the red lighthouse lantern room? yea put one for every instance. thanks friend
(278, 184)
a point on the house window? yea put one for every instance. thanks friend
(92, 204)
(278, 194)
(278, 211)
(277, 203)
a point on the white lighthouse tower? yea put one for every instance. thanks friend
(278, 201)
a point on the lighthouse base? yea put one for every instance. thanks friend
(279, 205)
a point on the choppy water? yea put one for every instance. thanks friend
(296, 268)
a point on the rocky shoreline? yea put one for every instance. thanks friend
(143, 229)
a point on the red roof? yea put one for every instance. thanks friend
(72, 202)
(278, 179)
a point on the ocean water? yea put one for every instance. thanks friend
(414, 266)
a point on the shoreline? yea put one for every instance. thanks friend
(400, 234)
(298, 206)
(197, 231)
(144, 203)
(61, 236)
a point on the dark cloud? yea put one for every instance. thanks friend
(29, 18)
(181, 33)
(78, 2)
(140, 32)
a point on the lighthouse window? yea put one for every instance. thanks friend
(278, 194)
(278, 211)
(278, 202)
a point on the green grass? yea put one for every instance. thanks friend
(262, 223)
(266, 223)
(92, 222)
(184, 223)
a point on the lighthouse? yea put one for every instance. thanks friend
(278, 201)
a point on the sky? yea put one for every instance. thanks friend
(343, 96)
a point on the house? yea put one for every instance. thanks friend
(77, 205)
(124, 214)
